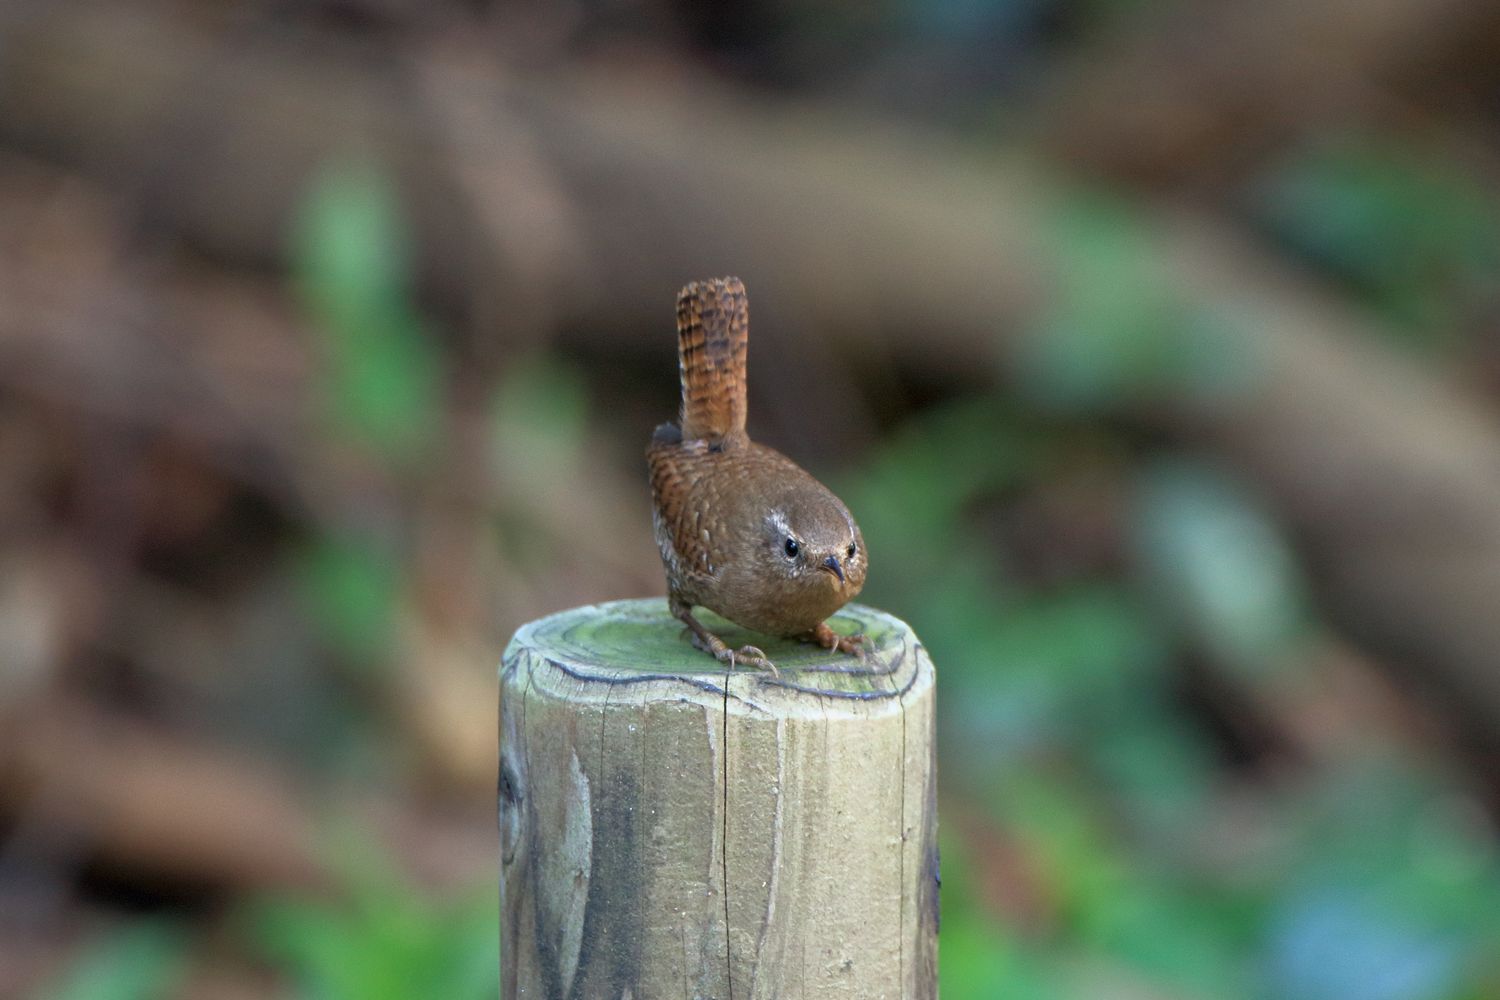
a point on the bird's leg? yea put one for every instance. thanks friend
(826, 637)
(711, 644)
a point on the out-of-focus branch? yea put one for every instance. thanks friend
(1205, 86)
(161, 809)
(136, 800)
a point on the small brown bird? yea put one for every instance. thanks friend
(743, 531)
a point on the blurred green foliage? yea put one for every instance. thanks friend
(381, 371)
(385, 939)
(539, 418)
(1215, 558)
(1417, 234)
(142, 960)
(981, 955)
(379, 394)
(1116, 329)
(351, 585)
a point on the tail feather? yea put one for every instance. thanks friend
(713, 329)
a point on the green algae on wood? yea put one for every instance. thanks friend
(672, 828)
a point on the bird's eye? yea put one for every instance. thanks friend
(792, 548)
(850, 554)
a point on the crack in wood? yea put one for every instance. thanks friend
(724, 842)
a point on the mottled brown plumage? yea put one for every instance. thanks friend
(743, 530)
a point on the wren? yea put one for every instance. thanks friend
(743, 530)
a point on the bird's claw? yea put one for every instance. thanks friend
(853, 645)
(751, 656)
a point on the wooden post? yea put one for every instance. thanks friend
(672, 829)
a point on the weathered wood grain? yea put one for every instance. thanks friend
(670, 829)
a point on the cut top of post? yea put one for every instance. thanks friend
(635, 650)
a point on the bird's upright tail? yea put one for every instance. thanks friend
(713, 329)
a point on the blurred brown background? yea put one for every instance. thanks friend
(1153, 344)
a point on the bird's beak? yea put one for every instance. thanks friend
(831, 564)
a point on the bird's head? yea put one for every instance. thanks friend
(812, 541)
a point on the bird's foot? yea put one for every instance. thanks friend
(750, 656)
(853, 645)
